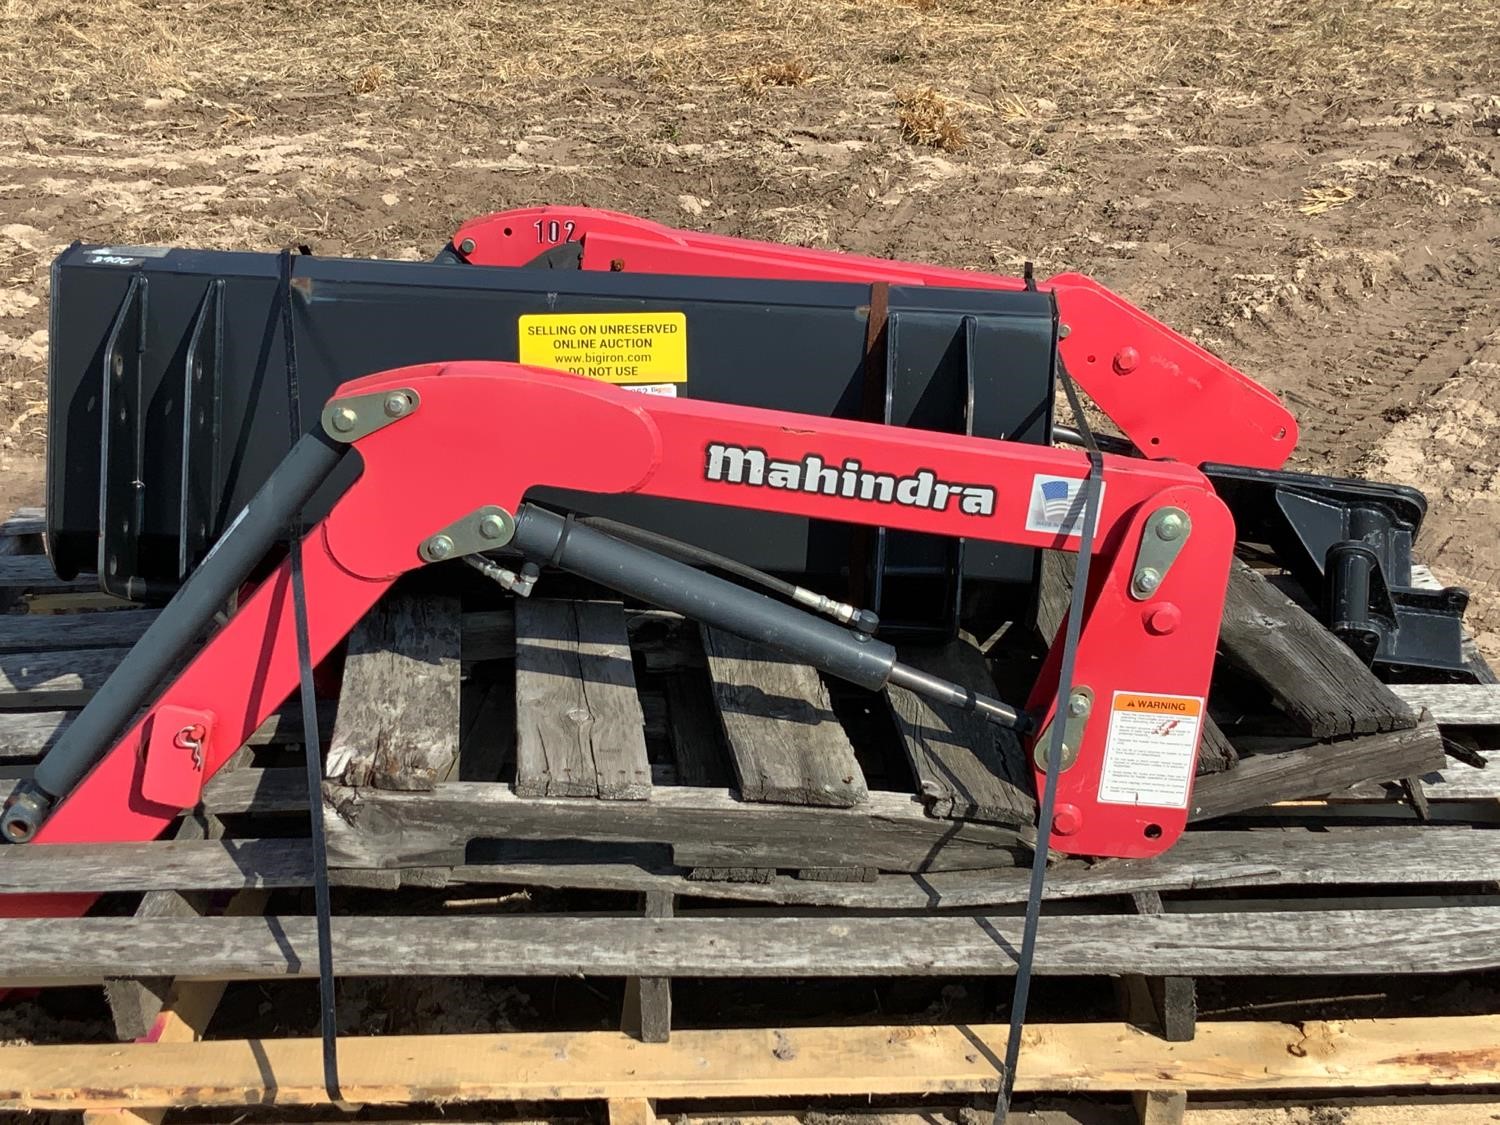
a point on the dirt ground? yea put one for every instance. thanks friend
(1307, 187)
(1310, 188)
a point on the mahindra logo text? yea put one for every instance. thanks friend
(735, 464)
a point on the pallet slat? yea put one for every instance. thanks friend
(54, 951)
(1313, 676)
(1452, 1052)
(786, 743)
(397, 725)
(1412, 856)
(891, 831)
(66, 678)
(580, 731)
(966, 766)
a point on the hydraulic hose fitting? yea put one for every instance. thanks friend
(25, 812)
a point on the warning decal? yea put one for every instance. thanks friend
(635, 347)
(1151, 749)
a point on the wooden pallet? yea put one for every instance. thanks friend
(744, 819)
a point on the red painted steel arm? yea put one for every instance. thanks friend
(486, 433)
(1169, 396)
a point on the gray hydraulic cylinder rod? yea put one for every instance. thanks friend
(208, 589)
(546, 537)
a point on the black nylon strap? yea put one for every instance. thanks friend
(1054, 749)
(311, 742)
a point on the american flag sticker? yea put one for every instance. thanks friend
(1057, 505)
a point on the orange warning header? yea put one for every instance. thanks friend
(1185, 705)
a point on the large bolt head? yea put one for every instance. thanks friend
(344, 419)
(1170, 527)
(492, 526)
(396, 404)
(466, 246)
(1078, 705)
(439, 547)
(1148, 578)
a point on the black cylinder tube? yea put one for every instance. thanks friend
(546, 537)
(207, 590)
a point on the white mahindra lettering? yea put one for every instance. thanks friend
(735, 464)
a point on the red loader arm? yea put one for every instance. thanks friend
(472, 437)
(1170, 397)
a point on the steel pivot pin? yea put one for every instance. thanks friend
(344, 419)
(396, 404)
(439, 546)
(1078, 705)
(492, 526)
(1170, 527)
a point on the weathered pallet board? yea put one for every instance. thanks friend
(1312, 675)
(27, 734)
(370, 828)
(1454, 705)
(397, 725)
(35, 573)
(1263, 779)
(117, 629)
(55, 951)
(965, 765)
(786, 743)
(1201, 860)
(54, 679)
(580, 731)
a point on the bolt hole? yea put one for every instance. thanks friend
(1153, 831)
(1093, 359)
(1156, 441)
(507, 232)
(1281, 433)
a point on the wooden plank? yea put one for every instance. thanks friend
(1312, 675)
(1456, 705)
(1215, 752)
(47, 632)
(1173, 999)
(56, 679)
(53, 951)
(1201, 860)
(35, 573)
(1263, 779)
(27, 734)
(648, 1000)
(891, 831)
(965, 765)
(136, 1004)
(397, 725)
(786, 743)
(27, 520)
(579, 727)
(1448, 1053)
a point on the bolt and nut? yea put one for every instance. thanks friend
(492, 526)
(439, 547)
(397, 403)
(1171, 527)
(1148, 578)
(466, 246)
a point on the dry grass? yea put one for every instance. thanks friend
(928, 118)
(792, 72)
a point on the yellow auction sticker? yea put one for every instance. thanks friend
(629, 347)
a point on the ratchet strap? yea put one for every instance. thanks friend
(1091, 489)
(311, 743)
